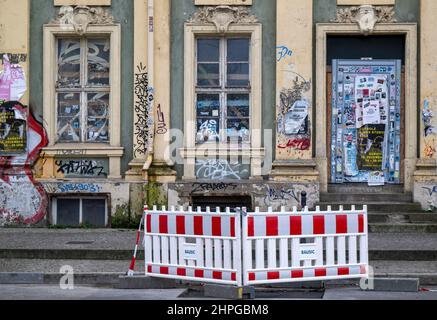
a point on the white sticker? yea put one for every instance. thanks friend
(190, 251)
(308, 251)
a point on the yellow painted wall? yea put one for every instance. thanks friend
(14, 33)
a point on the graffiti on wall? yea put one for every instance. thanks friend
(162, 125)
(282, 52)
(83, 168)
(430, 131)
(213, 187)
(144, 115)
(220, 169)
(294, 132)
(22, 198)
(281, 196)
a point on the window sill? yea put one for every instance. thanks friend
(81, 149)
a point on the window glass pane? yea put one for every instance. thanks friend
(98, 115)
(238, 74)
(98, 62)
(69, 117)
(238, 105)
(238, 50)
(208, 74)
(94, 212)
(208, 129)
(208, 105)
(68, 63)
(238, 130)
(208, 50)
(68, 212)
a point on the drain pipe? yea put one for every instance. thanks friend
(150, 69)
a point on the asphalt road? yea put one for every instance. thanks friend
(45, 292)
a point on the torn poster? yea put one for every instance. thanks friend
(376, 178)
(296, 118)
(12, 81)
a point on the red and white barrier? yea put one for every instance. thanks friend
(311, 246)
(194, 245)
(269, 248)
(131, 271)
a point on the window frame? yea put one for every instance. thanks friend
(223, 90)
(54, 207)
(252, 151)
(113, 150)
(83, 89)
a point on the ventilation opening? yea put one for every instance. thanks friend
(222, 203)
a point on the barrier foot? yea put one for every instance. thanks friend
(228, 292)
(143, 282)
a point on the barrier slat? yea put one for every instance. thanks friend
(330, 251)
(352, 250)
(341, 250)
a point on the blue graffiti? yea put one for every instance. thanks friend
(79, 187)
(283, 51)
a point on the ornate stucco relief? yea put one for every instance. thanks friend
(82, 16)
(222, 16)
(366, 16)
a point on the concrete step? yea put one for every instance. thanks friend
(403, 228)
(413, 217)
(364, 188)
(392, 207)
(366, 197)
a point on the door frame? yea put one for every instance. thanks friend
(411, 125)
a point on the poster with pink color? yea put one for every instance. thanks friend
(12, 81)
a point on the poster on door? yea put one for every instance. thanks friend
(365, 124)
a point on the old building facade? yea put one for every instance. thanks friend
(108, 104)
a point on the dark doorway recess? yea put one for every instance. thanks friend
(357, 47)
(222, 203)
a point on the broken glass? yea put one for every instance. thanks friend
(69, 117)
(68, 63)
(98, 117)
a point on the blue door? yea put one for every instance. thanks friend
(366, 121)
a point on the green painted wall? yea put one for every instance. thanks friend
(181, 10)
(42, 12)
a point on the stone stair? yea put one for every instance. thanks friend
(390, 209)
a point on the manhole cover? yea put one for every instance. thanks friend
(80, 242)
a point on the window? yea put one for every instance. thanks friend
(223, 89)
(83, 90)
(78, 211)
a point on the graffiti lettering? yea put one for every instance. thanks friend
(282, 52)
(298, 144)
(202, 187)
(162, 126)
(14, 57)
(219, 170)
(68, 152)
(80, 167)
(79, 187)
(144, 121)
(282, 195)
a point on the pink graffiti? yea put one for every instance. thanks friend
(16, 174)
(298, 144)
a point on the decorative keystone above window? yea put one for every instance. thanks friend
(222, 17)
(366, 16)
(223, 2)
(82, 16)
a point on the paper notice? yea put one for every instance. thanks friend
(295, 119)
(12, 81)
(371, 113)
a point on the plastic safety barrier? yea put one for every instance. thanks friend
(256, 248)
(190, 245)
(311, 246)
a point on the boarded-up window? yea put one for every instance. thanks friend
(83, 90)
